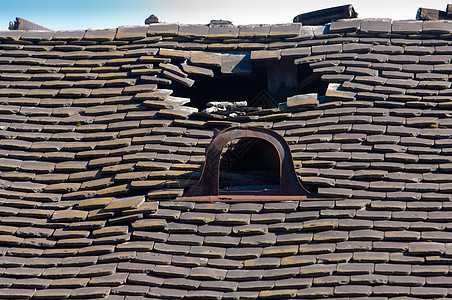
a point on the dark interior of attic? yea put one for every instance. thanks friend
(261, 85)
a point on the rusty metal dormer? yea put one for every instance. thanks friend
(207, 188)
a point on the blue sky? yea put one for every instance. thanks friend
(83, 14)
(76, 14)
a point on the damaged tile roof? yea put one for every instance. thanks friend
(95, 151)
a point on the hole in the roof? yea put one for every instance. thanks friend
(266, 85)
(310, 82)
(224, 87)
(249, 165)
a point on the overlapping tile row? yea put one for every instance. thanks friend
(81, 128)
(168, 249)
(385, 150)
(93, 144)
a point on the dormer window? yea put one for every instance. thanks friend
(257, 162)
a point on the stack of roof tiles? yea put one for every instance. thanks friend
(94, 151)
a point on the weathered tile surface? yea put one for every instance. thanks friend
(95, 147)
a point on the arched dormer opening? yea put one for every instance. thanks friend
(270, 150)
(249, 165)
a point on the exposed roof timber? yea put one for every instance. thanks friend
(22, 24)
(434, 14)
(431, 14)
(326, 15)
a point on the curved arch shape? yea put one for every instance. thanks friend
(208, 184)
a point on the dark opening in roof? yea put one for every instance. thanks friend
(266, 86)
(310, 82)
(249, 164)
(224, 87)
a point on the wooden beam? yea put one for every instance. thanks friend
(326, 15)
(22, 24)
(431, 14)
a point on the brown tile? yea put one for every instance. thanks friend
(53, 293)
(10, 293)
(98, 270)
(36, 283)
(69, 283)
(99, 292)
